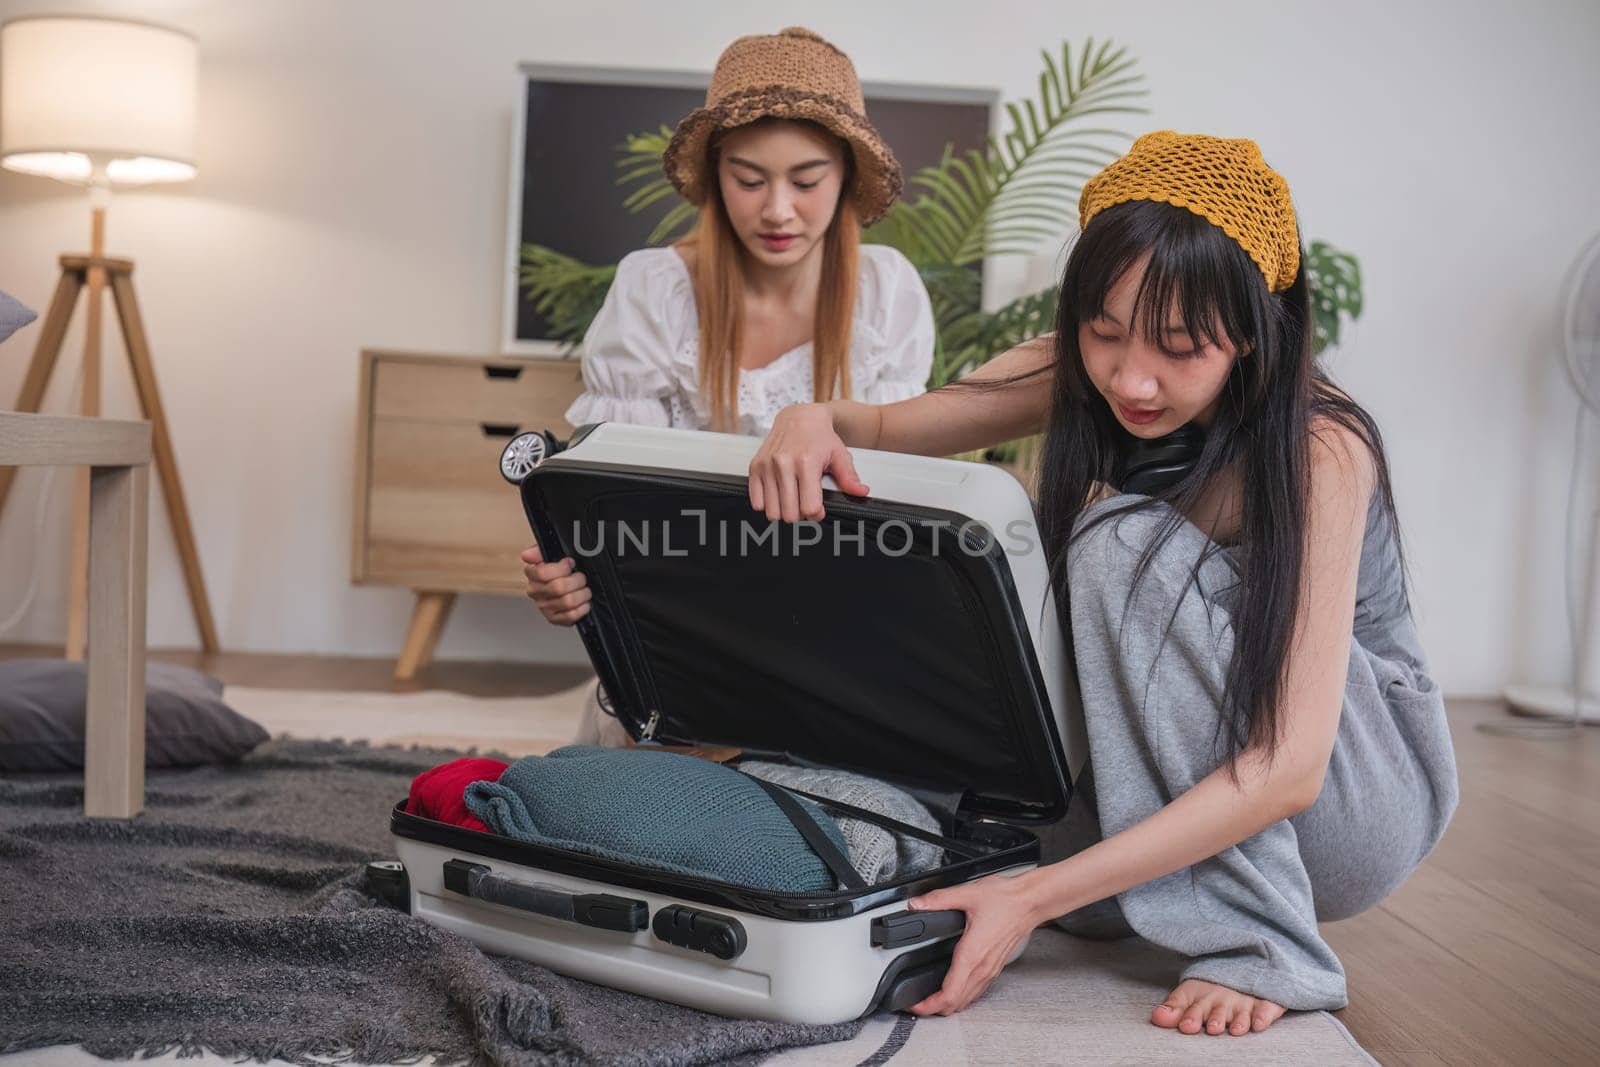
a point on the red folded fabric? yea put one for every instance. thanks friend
(438, 793)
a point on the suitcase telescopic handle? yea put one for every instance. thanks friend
(602, 910)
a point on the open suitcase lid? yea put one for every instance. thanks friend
(896, 638)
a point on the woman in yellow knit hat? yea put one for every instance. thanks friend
(772, 299)
(1266, 748)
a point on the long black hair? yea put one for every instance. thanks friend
(1274, 398)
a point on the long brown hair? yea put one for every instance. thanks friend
(719, 265)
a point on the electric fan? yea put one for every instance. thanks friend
(1579, 701)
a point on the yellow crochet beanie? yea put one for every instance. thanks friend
(1225, 182)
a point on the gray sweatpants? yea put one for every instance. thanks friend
(1151, 670)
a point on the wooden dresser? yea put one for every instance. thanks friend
(432, 512)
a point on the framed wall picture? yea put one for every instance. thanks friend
(570, 121)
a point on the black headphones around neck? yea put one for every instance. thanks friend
(1150, 467)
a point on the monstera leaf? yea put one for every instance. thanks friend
(1335, 281)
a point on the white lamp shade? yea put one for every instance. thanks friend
(79, 95)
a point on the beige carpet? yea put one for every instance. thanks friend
(1067, 1001)
(518, 726)
(1071, 1001)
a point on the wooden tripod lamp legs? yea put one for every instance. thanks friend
(98, 273)
(144, 380)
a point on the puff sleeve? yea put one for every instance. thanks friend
(905, 329)
(628, 349)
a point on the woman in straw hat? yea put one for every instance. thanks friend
(772, 299)
(1266, 748)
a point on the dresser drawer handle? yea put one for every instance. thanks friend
(499, 429)
(509, 373)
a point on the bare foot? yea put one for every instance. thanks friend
(1197, 1005)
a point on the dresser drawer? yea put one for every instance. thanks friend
(438, 513)
(431, 510)
(530, 394)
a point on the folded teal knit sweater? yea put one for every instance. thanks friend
(659, 809)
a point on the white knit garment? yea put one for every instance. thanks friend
(877, 854)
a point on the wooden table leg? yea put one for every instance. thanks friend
(427, 623)
(113, 768)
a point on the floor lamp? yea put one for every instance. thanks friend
(101, 102)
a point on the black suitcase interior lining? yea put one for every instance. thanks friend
(911, 666)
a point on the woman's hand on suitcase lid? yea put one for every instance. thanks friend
(786, 473)
(559, 589)
(1000, 915)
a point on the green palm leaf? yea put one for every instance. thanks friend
(639, 164)
(566, 291)
(972, 339)
(569, 292)
(1038, 165)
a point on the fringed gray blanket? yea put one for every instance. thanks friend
(231, 916)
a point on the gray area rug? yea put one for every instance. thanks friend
(229, 918)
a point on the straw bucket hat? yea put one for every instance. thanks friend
(793, 74)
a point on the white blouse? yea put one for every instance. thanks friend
(642, 352)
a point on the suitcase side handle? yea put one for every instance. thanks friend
(602, 910)
(909, 927)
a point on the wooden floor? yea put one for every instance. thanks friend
(1489, 954)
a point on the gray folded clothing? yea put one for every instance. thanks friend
(877, 854)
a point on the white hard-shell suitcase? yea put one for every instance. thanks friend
(909, 636)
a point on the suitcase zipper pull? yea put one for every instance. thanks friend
(649, 731)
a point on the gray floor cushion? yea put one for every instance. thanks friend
(14, 315)
(186, 721)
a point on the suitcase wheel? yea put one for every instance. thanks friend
(387, 880)
(913, 985)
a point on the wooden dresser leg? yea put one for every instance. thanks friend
(427, 623)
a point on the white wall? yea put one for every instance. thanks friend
(353, 169)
